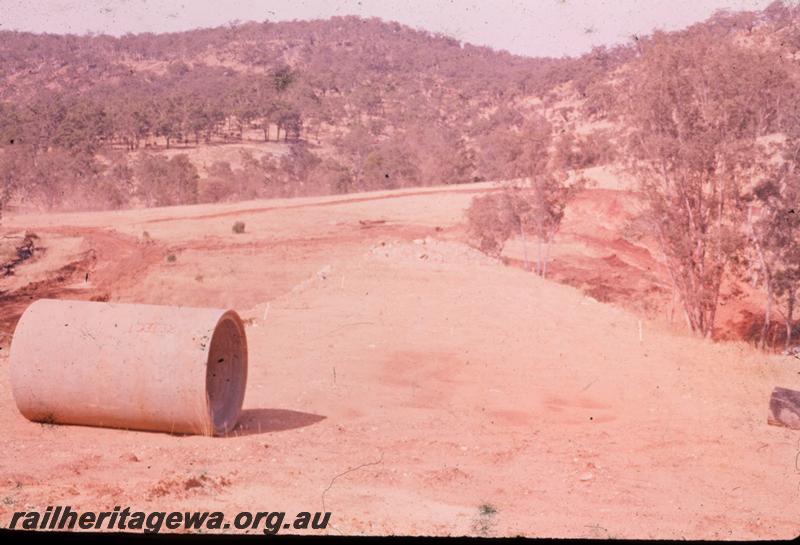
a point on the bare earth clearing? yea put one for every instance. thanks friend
(402, 380)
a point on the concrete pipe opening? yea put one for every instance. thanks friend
(226, 373)
(147, 367)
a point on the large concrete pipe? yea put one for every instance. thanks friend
(147, 367)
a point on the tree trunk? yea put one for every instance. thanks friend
(672, 305)
(539, 257)
(689, 322)
(767, 315)
(546, 258)
(524, 248)
(710, 318)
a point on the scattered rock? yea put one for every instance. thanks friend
(366, 224)
(179, 486)
(436, 251)
(793, 351)
(324, 272)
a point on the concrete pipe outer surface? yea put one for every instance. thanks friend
(146, 367)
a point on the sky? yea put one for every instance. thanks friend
(525, 27)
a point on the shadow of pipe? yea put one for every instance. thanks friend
(255, 421)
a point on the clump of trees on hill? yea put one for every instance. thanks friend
(531, 207)
(709, 127)
(697, 113)
(773, 231)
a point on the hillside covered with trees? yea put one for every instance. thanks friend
(361, 104)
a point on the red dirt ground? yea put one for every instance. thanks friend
(404, 381)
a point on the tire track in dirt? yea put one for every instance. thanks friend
(14, 303)
(347, 234)
(240, 211)
(112, 260)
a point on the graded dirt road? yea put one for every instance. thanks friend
(409, 384)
